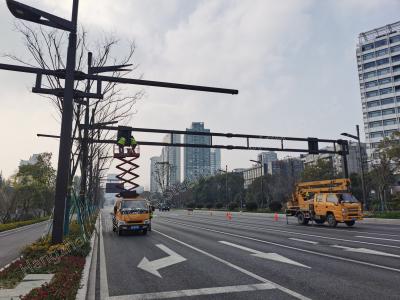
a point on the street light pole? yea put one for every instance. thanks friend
(362, 170)
(62, 181)
(357, 138)
(261, 180)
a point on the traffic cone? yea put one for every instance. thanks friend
(276, 217)
(230, 216)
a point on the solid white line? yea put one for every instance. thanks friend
(345, 230)
(290, 247)
(255, 276)
(103, 268)
(375, 238)
(306, 234)
(197, 292)
(304, 241)
(22, 228)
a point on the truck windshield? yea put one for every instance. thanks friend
(346, 197)
(136, 205)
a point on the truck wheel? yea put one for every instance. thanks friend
(350, 223)
(301, 219)
(119, 232)
(144, 231)
(331, 220)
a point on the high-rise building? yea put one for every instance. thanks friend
(266, 157)
(171, 157)
(215, 160)
(378, 60)
(154, 174)
(197, 160)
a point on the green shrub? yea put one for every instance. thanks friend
(275, 206)
(251, 205)
(209, 205)
(199, 205)
(13, 225)
(191, 205)
(233, 206)
(219, 205)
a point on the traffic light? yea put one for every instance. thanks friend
(313, 146)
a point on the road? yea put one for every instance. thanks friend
(13, 241)
(251, 256)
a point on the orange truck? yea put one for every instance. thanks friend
(132, 212)
(323, 201)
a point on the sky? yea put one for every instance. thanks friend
(293, 62)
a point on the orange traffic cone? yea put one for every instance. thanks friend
(276, 217)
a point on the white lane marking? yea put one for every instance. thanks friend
(197, 292)
(271, 256)
(103, 268)
(307, 234)
(365, 250)
(376, 238)
(293, 248)
(345, 230)
(304, 241)
(153, 266)
(255, 276)
(22, 228)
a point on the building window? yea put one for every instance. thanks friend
(371, 83)
(396, 78)
(390, 132)
(385, 91)
(383, 61)
(331, 198)
(387, 101)
(375, 124)
(371, 94)
(371, 74)
(369, 65)
(373, 103)
(395, 49)
(374, 145)
(395, 39)
(373, 114)
(376, 134)
(389, 122)
(397, 88)
(388, 111)
(383, 71)
(396, 68)
(385, 80)
(380, 43)
(382, 52)
(369, 46)
(368, 56)
(395, 58)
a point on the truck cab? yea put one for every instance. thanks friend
(132, 214)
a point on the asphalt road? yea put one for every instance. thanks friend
(13, 241)
(204, 256)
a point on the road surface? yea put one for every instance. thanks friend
(13, 241)
(251, 256)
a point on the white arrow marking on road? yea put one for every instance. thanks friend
(365, 250)
(304, 241)
(271, 256)
(153, 266)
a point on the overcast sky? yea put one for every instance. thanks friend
(293, 63)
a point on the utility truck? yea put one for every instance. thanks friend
(323, 201)
(132, 213)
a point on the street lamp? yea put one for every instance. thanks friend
(357, 138)
(261, 177)
(28, 13)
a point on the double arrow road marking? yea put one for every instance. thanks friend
(153, 266)
(270, 256)
(366, 251)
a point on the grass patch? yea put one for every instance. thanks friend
(13, 225)
(386, 215)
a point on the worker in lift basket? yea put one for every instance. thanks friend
(133, 146)
(121, 144)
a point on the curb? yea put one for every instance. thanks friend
(381, 221)
(84, 283)
(7, 265)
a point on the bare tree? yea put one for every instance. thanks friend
(47, 48)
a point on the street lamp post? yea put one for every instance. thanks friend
(31, 14)
(226, 182)
(357, 138)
